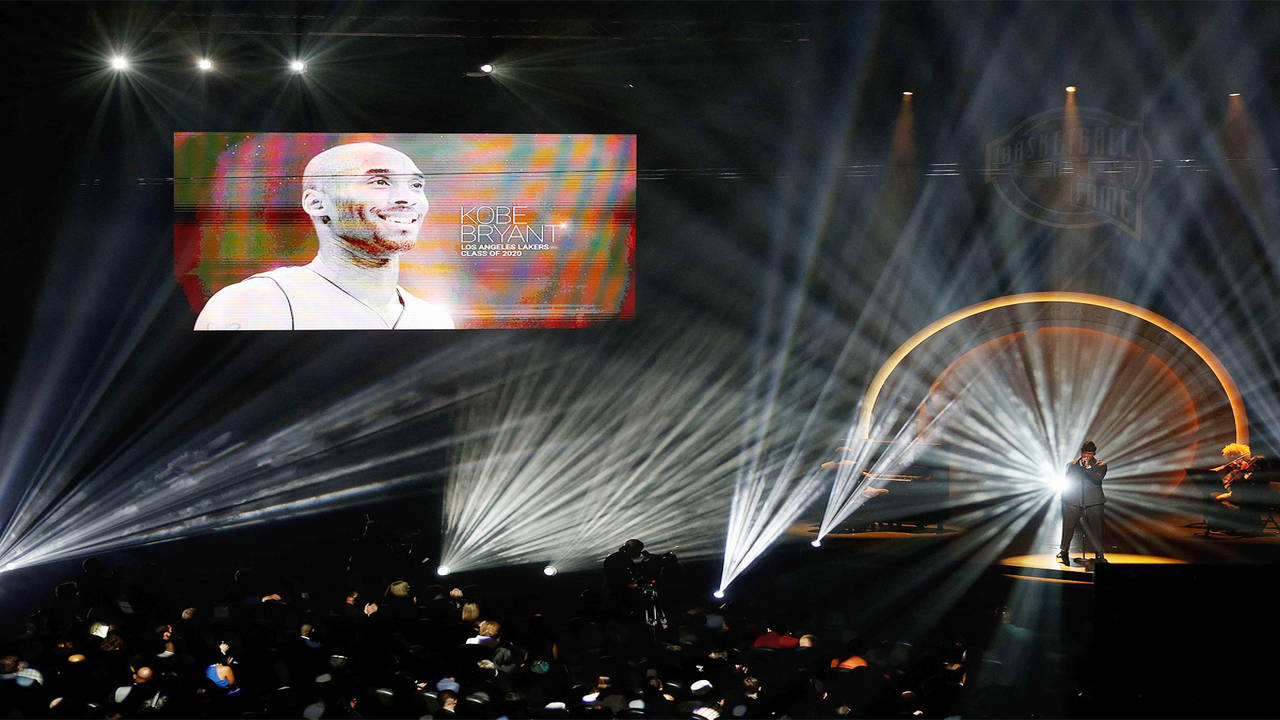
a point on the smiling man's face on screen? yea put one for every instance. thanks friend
(370, 196)
(334, 231)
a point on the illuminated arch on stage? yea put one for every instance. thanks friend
(1191, 341)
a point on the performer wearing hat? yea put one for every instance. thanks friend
(1082, 499)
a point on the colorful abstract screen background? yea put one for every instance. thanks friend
(522, 230)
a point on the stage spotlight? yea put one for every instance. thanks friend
(1071, 88)
(549, 570)
(1052, 478)
(907, 93)
(204, 64)
(486, 68)
(298, 66)
(719, 594)
(442, 570)
(817, 542)
(119, 62)
(564, 225)
(1233, 94)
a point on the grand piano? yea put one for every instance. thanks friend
(1256, 500)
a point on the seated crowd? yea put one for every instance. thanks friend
(121, 644)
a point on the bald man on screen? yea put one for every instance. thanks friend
(367, 203)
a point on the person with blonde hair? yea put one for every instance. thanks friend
(1242, 488)
(486, 633)
(400, 602)
(470, 612)
(1240, 465)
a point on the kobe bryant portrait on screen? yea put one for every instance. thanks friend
(367, 203)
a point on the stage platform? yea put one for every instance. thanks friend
(1031, 554)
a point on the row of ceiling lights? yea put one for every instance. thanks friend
(121, 63)
(204, 64)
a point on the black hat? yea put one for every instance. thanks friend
(1088, 446)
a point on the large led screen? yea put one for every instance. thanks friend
(311, 231)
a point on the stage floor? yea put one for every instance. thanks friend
(1032, 552)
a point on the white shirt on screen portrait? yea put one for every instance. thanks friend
(299, 298)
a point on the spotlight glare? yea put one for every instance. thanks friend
(1071, 88)
(442, 570)
(1057, 481)
(549, 570)
(817, 542)
(204, 64)
(907, 93)
(719, 594)
(119, 62)
(1233, 94)
(486, 68)
(684, 410)
(298, 66)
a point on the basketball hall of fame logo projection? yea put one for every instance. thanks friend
(1073, 168)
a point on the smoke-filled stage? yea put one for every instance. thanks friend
(674, 360)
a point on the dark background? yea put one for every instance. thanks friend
(752, 119)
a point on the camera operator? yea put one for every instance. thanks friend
(622, 576)
(642, 585)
